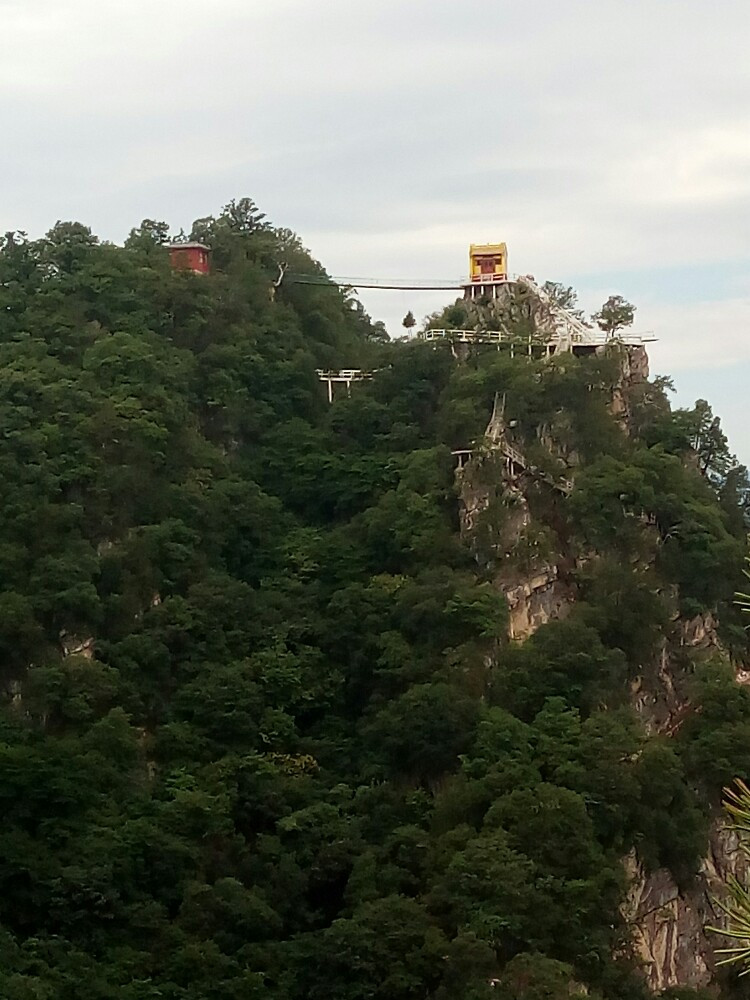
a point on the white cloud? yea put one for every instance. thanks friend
(699, 336)
(702, 166)
(592, 137)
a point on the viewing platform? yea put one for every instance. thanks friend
(586, 338)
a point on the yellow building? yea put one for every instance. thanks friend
(488, 262)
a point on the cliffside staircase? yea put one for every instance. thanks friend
(516, 463)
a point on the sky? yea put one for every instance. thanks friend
(607, 142)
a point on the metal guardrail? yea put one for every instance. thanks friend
(591, 338)
(473, 336)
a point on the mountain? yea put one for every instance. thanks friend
(426, 692)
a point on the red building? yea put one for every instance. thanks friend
(193, 257)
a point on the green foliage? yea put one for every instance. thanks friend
(618, 502)
(625, 606)
(264, 735)
(563, 296)
(568, 659)
(735, 905)
(672, 825)
(614, 315)
(408, 322)
(716, 740)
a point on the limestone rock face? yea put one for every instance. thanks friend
(667, 921)
(637, 364)
(634, 369)
(660, 694)
(495, 476)
(667, 930)
(668, 924)
(535, 601)
(73, 645)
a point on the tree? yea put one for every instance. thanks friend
(243, 216)
(564, 296)
(387, 950)
(203, 230)
(736, 905)
(614, 315)
(67, 246)
(149, 234)
(12, 239)
(423, 732)
(408, 322)
(734, 497)
(378, 332)
(707, 440)
(531, 976)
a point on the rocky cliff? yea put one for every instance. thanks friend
(667, 921)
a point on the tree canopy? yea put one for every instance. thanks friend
(263, 733)
(614, 315)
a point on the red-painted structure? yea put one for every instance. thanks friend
(193, 257)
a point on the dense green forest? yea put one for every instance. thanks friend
(263, 733)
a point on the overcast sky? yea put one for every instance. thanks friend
(607, 141)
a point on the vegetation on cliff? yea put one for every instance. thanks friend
(263, 733)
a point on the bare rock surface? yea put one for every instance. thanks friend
(668, 923)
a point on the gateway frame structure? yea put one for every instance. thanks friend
(345, 376)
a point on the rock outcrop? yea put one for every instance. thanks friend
(533, 602)
(533, 587)
(660, 694)
(668, 922)
(633, 371)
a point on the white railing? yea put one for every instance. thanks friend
(343, 375)
(585, 337)
(485, 336)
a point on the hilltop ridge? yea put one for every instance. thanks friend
(298, 704)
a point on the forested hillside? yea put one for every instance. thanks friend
(264, 734)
